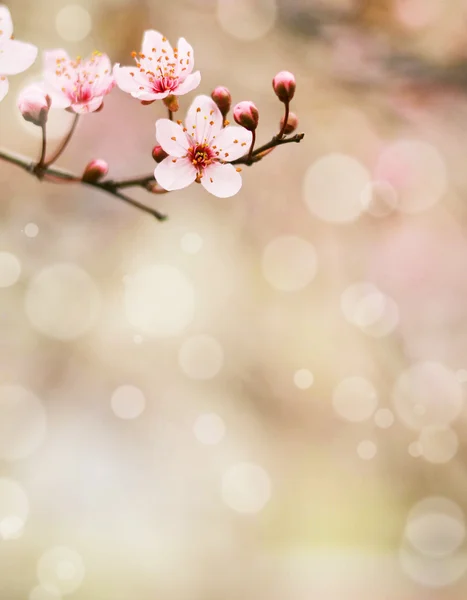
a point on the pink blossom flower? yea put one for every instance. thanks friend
(160, 70)
(79, 85)
(201, 150)
(34, 104)
(15, 56)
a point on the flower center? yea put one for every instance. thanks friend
(162, 84)
(201, 156)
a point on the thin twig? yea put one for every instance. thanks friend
(253, 142)
(114, 187)
(286, 118)
(133, 182)
(64, 144)
(246, 160)
(51, 173)
(40, 164)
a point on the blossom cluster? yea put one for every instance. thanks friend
(201, 149)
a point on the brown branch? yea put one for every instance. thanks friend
(114, 187)
(145, 180)
(276, 141)
(60, 175)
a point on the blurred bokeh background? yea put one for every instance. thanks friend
(262, 397)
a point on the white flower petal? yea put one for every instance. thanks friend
(203, 119)
(172, 138)
(59, 99)
(233, 142)
(190, 83)
(222, 181)
(50, 58)
(186, 57)
(149, 96)
(6, 24)
(4, 85)
(153, 44)
(175, 175)
(124, 78)
(16, 57)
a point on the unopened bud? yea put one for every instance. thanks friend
(159, 154)
(246, 114)
(292, 123)
(172, 103)
(95, 170)
(34, 104)
(284, 85)
(223, 99)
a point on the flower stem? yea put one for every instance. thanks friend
(256, 156)
(171, 115)
(286, 118)
(40, 163)
(64, 143)
(253, 141)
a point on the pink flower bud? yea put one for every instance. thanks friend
(34, 104)
(223, 99)
(292, 123)
(159, 154)
(95, 170)
(284, 85)
(246, 114)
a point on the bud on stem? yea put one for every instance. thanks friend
(284, 85)
(159, 154)
(246, 114)
(223, 99)
(34, 105)
(291, 125)
(95, 170)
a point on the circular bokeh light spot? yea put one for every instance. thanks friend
(128, 402)
(201, 357)
(439, 444)
(289, 263)
(333, 187)
(431, 571)
(159, 300)
(73, 23)
(209, 429)
(31, 230)
(14, 509)
(384, 418)
(303, 379)
(246, 488)
(379, 198)
(366, 449)
(10, 269)
(355, 399)
(61, 569)
(415, 449)
(427, 394)
(247, 19)
(436, 527)
(417, 172)
(62, 301)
